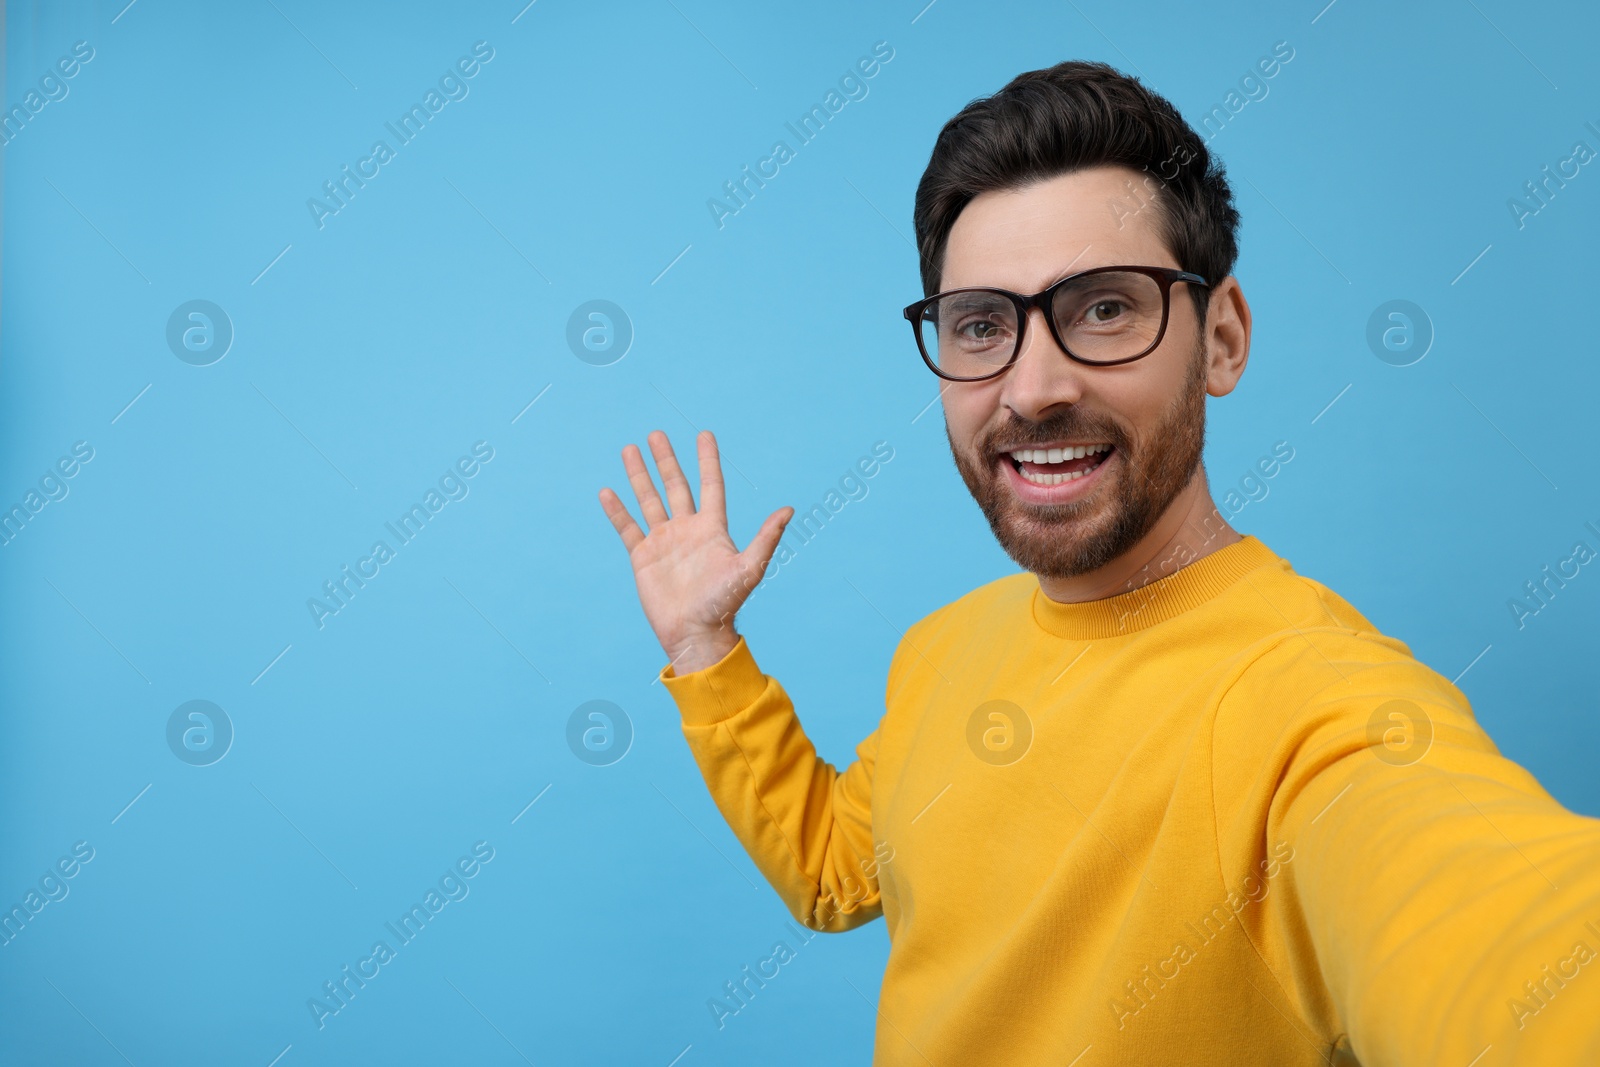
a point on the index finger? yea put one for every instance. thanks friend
(712, 498)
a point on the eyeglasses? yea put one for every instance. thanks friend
(1102, 317)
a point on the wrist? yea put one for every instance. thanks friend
(696, 652)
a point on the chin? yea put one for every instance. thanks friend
(1080, 541)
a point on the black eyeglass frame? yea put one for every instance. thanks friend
(1165, 276)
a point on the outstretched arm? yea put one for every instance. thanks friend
(1452, 904)
(807, 825)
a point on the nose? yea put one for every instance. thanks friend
(1043, 377)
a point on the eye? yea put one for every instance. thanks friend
(980, 329)
(1104, 311)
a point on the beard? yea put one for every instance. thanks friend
(1057, 541)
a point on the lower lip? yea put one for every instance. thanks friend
(1054, 494)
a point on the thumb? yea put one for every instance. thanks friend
(765, 542)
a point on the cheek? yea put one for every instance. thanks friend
(968, 412)
(1135, 407)
(1170, 386)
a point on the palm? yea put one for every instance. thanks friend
(690, 575)
(680, 559)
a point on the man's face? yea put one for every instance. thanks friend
(1151, 412)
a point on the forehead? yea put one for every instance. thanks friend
(1026, 238)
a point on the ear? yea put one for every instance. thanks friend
(1227, 337)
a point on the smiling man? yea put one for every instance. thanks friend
(1158, 798)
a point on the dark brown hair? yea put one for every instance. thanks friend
(1069, 117)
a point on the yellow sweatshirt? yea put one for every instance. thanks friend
(1216, 820)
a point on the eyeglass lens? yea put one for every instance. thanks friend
(1100, 318)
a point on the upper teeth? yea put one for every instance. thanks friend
(1055, 455)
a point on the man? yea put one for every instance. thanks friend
(1160, 799)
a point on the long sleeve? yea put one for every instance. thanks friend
(807, 826)
(1452, 905)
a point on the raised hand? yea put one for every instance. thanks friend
(692, 578)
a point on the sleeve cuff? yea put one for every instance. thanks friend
(717, 692)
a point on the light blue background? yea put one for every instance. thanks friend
(423, 718)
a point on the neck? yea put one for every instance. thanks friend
(1189, 529)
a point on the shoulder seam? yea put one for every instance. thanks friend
(1216, 833)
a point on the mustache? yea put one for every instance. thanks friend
(1018, 432)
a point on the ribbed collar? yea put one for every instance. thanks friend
(1124, 614)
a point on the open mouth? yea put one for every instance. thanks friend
(1055, 466)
